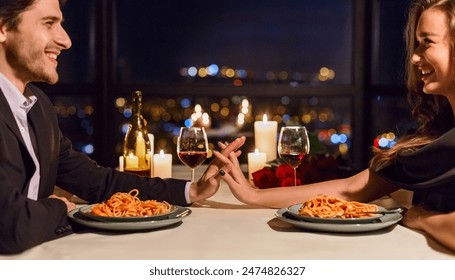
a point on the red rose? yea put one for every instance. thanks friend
(308, 172)
(284, 171)
(265, 178)
(318, 168)
(328, 167)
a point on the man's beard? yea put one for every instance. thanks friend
(28, 64)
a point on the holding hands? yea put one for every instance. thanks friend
(209, 182)
(233, 175)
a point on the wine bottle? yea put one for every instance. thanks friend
(137, 146)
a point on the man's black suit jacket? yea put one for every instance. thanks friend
(25, 223)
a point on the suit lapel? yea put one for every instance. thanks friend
(8, 117)
(37, 120)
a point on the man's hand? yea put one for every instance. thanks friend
(209, 183)
(69, 205)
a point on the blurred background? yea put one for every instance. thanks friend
(335, 66)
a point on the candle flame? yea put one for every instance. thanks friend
(161, 153)
(264, 118)
(256, 151)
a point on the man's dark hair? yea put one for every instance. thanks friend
(11, 9)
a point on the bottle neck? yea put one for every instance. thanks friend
(137, 105)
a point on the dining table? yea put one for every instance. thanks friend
(222, 228)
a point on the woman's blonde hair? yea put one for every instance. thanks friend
(433, 112)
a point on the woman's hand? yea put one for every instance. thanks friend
(233, 176)
(209, 183)
(440, 226)
(415, 215)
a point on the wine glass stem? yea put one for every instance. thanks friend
(192, 174)
(295, 177)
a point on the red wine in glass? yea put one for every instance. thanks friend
(293, 145)
(192, 159)
(293, 160)
(192, 147)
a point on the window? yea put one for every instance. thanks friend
(390, 114)
(235, 42)
(218, 55)
(295, 60)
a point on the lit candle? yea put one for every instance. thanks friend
(256, 161)
(131, 162)
(120, 163)
(151, 152)
(162, 165)
(152, 140)
(140, 150)
(265, 133)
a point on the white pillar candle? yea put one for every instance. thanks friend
(131, 161)
(256, 161)
(265, 133)
(120, 163)
(149, 158)
(162, 165)
(151, 152)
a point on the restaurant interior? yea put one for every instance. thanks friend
(334, 66)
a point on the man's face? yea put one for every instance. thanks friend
(32, 49)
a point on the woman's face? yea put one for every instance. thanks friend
(433, 53)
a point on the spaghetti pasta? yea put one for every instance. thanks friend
(324, 206)
(129, 205)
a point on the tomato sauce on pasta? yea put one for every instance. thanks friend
(324, 206)
(129, 205)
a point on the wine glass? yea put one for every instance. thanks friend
(192, 147)
(293, 145)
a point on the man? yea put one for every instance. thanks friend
(35, 156)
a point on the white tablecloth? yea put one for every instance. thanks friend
(222, 228)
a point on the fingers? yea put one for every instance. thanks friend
(227, 148)
(221, 157)
(226, 164)
(231, 165)
(235, 145)
(234, 159)
(229, 179)
(223, 145)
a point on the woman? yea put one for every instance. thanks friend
(423, 162)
